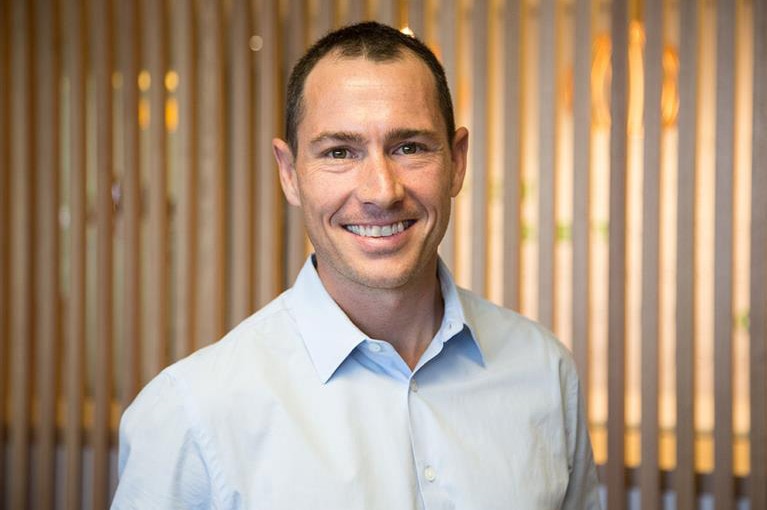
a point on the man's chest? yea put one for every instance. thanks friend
(386, 444)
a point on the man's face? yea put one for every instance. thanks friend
(374, 172)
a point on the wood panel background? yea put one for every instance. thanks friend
(615, 193)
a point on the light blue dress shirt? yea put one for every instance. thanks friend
(296, 409)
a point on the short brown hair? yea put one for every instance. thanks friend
(371, 40)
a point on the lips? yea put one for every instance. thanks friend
(379, 230)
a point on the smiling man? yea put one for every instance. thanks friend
(374, 382)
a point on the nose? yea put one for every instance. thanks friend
(380, 183)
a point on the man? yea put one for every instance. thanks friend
(373, 383)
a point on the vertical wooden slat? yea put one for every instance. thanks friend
(269, 216)
(100, 21)
(723, 258)
(512, 167)
(295, 240)
(210, 219)
(156, 300)
(5, 249)
(616, 327)
(446, 34)
(649, 472)
(47, 264)
(75, 340)
(415, 18)
(478, 154)
(387, 12)
(240, 256)
(758, 296)
(356, 11)
(22, 252)
(128, 38)
(581, 186)
(322, 19)
(547, 136)
(684, 476)
(183, 157)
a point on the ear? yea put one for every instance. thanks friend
(287, 167)
(458, 154)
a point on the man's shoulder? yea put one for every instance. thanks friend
(264, 339)
(503, 331)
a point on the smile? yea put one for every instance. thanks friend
(379, 231)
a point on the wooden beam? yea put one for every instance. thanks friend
(76, 299)
(100, 23)
(684, 475)
(723, 258)
(22, 253)
(512, 156)
(757, 492)
(47, 264)
(649, 472)
(616, 356)
(240, 279)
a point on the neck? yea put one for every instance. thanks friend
(407, 317)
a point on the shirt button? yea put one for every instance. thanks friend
(413, 385)
(374, 347)
(430, 474)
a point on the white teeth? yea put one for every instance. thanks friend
(377, 231)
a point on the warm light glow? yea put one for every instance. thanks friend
(171, 80)
(407, 31)
(144, 80)
(256, 43)
(143, 113)
(171, 114)
(601, 77)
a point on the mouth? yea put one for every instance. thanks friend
(380, 230)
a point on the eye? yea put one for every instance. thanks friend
(338, 153)
(410, 148)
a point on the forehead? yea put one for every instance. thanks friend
(356, 89)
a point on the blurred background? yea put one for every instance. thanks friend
(618, 151)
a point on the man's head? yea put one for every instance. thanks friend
(372, 41)
(375, 170)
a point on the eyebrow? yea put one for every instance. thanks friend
(356, 138)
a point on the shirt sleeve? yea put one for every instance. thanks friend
(583, 487)
(161, 464)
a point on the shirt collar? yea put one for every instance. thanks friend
(330, 336)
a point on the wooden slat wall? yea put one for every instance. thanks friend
(5, 223)
(101, 55)
(447, 30)
(480, 137)
(73, 15)
(210, 223)
(758, 319)
(239, 275)
(547, 142)
(616, 357)
(649, 484)
(581, 191)
(21, 255)
(153, 145)
(47, 289)
(723, 258)
(185, 239)
(512, 149)
(269, 239)
(294, 42)
(141, 219)
(684, 479)
(130, 203)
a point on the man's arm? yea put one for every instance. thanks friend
(160, 462)
(583, 487)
